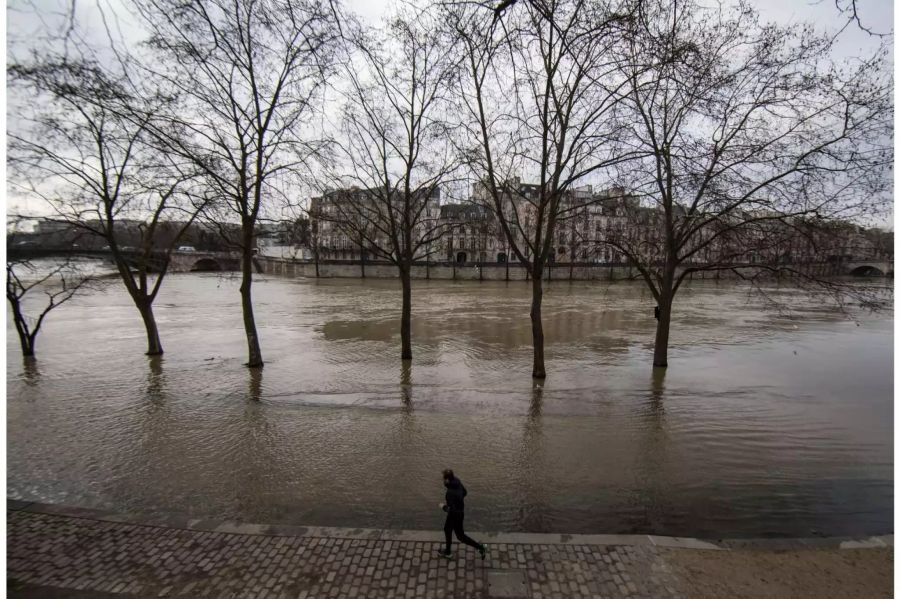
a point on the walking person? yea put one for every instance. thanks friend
(455, 508)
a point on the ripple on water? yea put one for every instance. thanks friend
(758, 428)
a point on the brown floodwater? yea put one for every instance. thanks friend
(765, 423)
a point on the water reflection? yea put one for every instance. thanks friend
(656, 406)
(154, 389)
(402, 455)
(537, 399)
(31, 372)
(653, 481)
(257, 463)
(160, 448)
(255, 385)
(408, 438)
(485, 325)
(406, 385)
(532, 512)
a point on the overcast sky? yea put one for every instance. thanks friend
(31, 22)
(29, 19)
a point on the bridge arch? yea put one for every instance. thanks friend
(867, 270)
(206, 265)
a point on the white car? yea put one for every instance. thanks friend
(186, 248)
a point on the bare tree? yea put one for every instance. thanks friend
(60, 283)
(248, 73)
(539, 98)
(743, 129)
(849, 9)
(396, 148)
(315, 235)
(85, 146)
(344, 229)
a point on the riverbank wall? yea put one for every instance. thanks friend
(474, 271)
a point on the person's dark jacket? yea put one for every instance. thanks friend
(454, 496)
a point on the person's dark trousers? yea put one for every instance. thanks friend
(454, 524)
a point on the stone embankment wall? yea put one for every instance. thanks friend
(469, 272)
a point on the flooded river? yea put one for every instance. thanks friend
(765, 424)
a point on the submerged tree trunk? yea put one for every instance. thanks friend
(537, 327)
(406, 315)
(138, 290)
(661, 345)
(27, 346)
(254, 354)
(154, 345)
(25, 340)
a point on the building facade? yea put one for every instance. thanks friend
(594, 227)
(359, 224)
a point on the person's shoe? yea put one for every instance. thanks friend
(445, 554)
(483, 551)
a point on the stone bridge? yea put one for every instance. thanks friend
(869, 268)
(204, 261)
(192, 261)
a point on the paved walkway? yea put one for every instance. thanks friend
(51, 547)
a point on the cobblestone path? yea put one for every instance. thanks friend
(46, 550)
